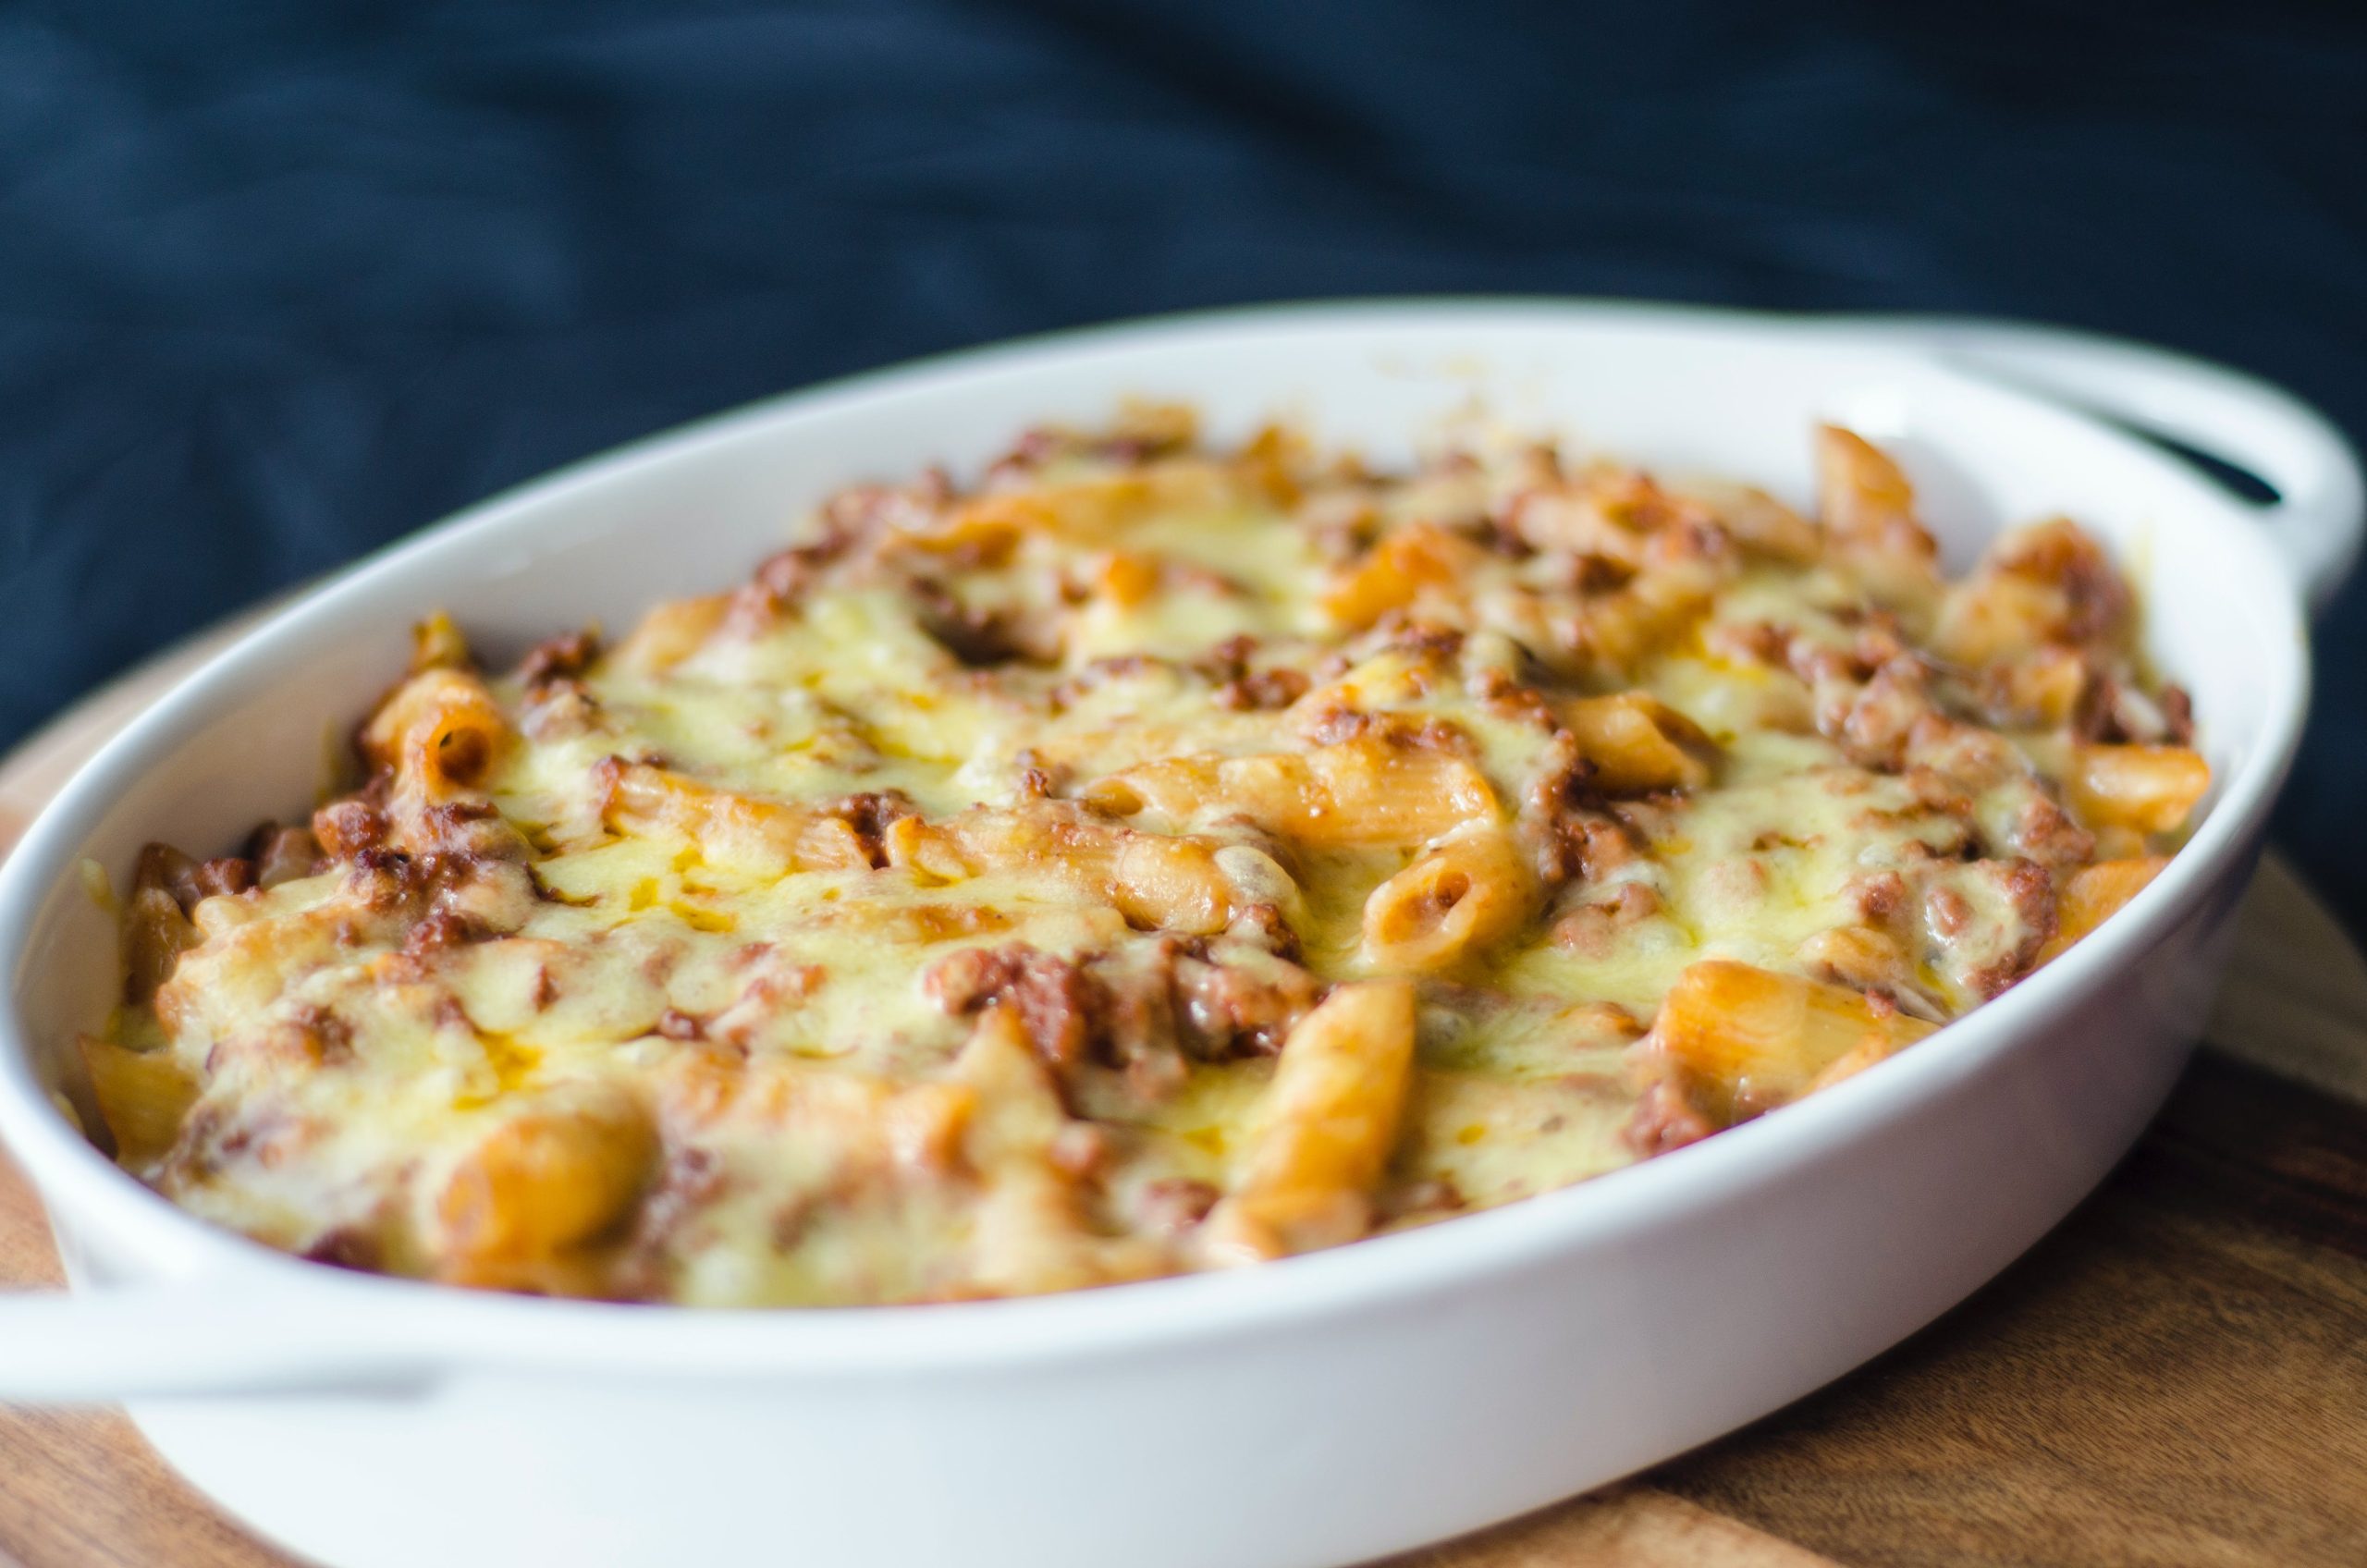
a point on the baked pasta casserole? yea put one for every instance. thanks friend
(1150, 858)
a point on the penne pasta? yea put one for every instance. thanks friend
(439, 732)
(2150, 789)
(1030, 1232)
(1157, 882)
(1868, 508)
(1745, 1039)
(1327, 1125)
(1635, 744)
(2047, 586)
(2092, 895)
(1465, 896)
(142, 1097)
(1862, 495)
(1150, 858)
(669, 634)
(1093, 509)
(544, 1178)
(755, 837)
(1403, 567)
(1366, 791)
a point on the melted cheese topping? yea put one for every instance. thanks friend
(1149, 859)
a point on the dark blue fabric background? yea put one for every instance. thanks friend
(279, 282)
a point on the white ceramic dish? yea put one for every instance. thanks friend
(1306, 1412)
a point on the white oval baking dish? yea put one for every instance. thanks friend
(1305, 1413)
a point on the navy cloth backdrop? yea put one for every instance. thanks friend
(280, 282)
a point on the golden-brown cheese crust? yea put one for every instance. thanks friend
(1151, 859)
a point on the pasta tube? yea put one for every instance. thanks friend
(1745, 1039)
(1328, 1122)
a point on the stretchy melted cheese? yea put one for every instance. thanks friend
(1148, 860)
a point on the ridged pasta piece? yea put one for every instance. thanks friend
(546, 1178)
(2093, 894)
(2150, 789)
(1093, 509)
(1414, 559)
(2041, 685)
(439, 732)
(670, 633)
(1465, 895)
(1760, 523)
(1367, 790)
(745, 833)
(1156, 881)
(1865, 957)
(1638, 744)
(1862, 495)
(1029, 1233)
(1986, 618)
(1745, 1039)
(2048, 583)
(1621, 630)
(1867, 507)
(1325, 1128)
(142, 1095)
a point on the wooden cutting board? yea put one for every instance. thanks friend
(2177, 1375)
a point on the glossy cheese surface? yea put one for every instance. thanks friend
(1143, 858)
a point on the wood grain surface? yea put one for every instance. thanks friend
(2177, 1376)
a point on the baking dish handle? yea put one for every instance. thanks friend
(2222, 413)
(99, 1346)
